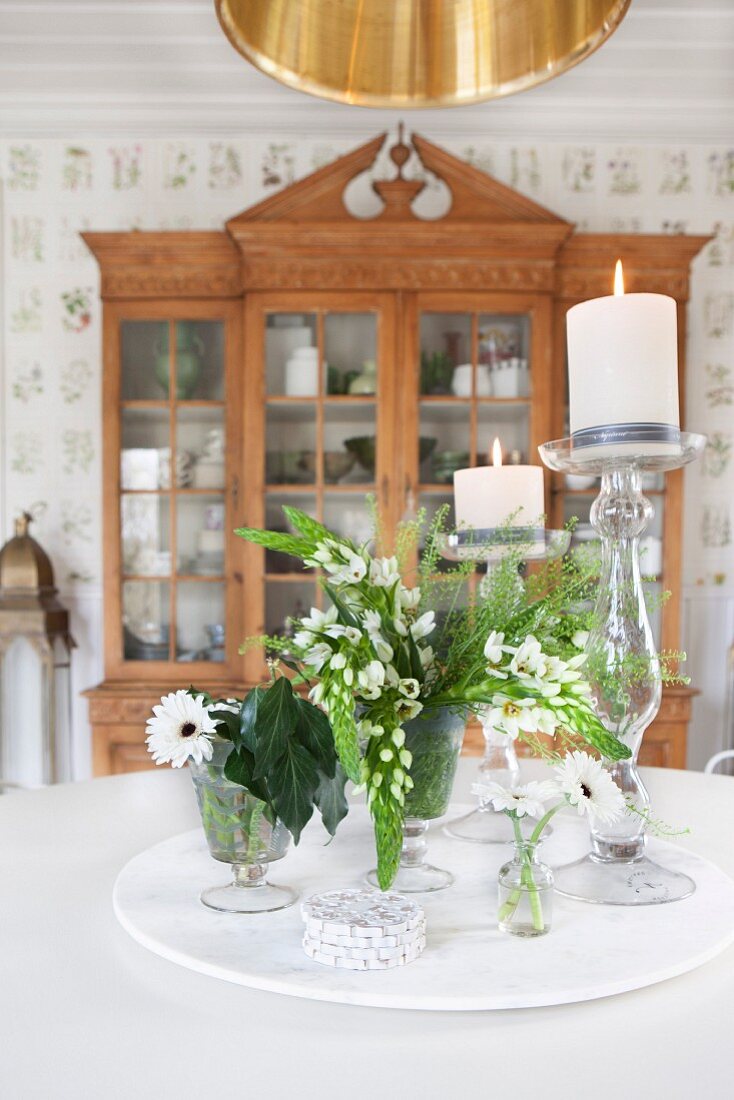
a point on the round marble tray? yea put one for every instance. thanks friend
(592, 951)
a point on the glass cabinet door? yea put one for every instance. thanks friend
(325, 451)
(474, 386)
(172, 510)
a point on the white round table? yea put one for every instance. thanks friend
(85, 1012)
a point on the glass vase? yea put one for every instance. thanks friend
(434, 739)
(239, 833)
(525, 893)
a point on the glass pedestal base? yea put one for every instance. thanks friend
(248, 892)
(264, 898)
(423, 878)
(487, 826)
(621, 882)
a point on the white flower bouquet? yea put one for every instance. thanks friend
(383, 653)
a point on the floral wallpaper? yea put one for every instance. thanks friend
(52, 190)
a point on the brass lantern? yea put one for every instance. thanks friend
(417, 53)
(35, 666)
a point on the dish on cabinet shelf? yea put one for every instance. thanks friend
(337, 464)
(290, 467)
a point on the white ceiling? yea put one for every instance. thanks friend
(147, 66)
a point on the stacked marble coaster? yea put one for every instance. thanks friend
(363, 930)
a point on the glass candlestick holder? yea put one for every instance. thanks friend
(623, 666)
(499, 764)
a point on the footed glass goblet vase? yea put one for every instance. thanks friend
(239, 833)
(434, 739)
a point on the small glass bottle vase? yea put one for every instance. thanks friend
(238, 832)
(434, 739)
(525, 889)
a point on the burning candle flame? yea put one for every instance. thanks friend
(496, 453)
(618, 279)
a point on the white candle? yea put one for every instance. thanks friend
(488, 496)
(623, 360)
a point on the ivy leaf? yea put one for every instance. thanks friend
(228, 725)
(239, 768)
(277, 715)
(293, 784)
(248, 718)
(310, 528)
(331, 800)
(314, 732)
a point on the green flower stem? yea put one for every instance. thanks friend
(537, 831)
(253, 832)
(536, 907)
(228, 826)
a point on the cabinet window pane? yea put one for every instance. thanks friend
(350, 350)
(199, 360)
(291, 355)
(144, 363)
(145, 459)
(146, 535)
(200, 447)
(290, 457)
(200, 621)
(503, 355)
(200, 534)
(146, 620)
(445, 346)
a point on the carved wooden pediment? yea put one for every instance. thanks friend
(475, 196)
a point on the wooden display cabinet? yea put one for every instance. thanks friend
(307, 356)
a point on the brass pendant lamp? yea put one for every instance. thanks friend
(417, 53)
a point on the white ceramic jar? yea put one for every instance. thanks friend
(302, 373)
(461, 382)
(506, 378)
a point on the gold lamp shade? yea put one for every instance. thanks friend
(416, 53)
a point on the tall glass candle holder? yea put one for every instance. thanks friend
(623, 667)
(499, 764)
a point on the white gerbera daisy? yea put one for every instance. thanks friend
(181, 727)
(588, 787)
(528, 799)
